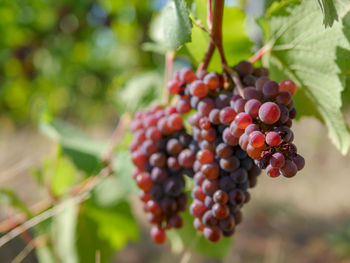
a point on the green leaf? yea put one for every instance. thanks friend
(124, 168)
(45, 254)
(333, 9)
(64, 232)
(329, 12)
(236, 44)
(140, 91)
(304, 51)
(45, 251)
(187, 236)
(343, 58)
(154, 47)
(58, 172)
(64, 176)
(9, 198)
(89, 242)
(85, 152)
(172, 27)
(105, 229)
(108, 192)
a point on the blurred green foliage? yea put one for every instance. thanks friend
(90, 60)
(69, 57)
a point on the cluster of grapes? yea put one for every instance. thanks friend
(236, 132)
(262, 120)
(223, 171)
(160, 153)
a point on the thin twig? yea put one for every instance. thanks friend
(238, 84)
(35, 243)
(84, 186)
(234, 76)
(169, 63)
(258, 55)
(209, 14)
(19, 218)
(198, 24)
(81, 197)
(39, 218)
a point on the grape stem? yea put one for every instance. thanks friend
(217, 28)
(169, 63)
(215, 36)
(217, 39)
(200, 26)
(211, 45)
(208, 55)
(210, 14)
(234, 76)
(258, 55)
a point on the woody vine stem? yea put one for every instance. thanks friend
(215, 23)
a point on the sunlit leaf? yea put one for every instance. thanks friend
(172, 27)
(309, 56)
(333, 10)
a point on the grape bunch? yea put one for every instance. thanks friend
(262, 121)
(235, 132)
(223, 171)
(160, 153)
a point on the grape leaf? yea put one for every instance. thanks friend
(62, 174)
(124, 168)
(301, 49)
(84, 152)
(172, 27)
(64, 232)
(89, 241)
(333, 10)
(105, 229)
(329, 12)
(236, 44)
(140, 91)
(343, 59)
(9, 198)
(58, 172)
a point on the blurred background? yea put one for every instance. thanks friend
(74, 60)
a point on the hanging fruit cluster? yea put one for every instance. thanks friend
(236, 129)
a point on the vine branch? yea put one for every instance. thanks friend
(200, 26)
(169, 63)
(38, 219)
(210, 14)
(217, 28)
(19, 223)
(208, 55)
